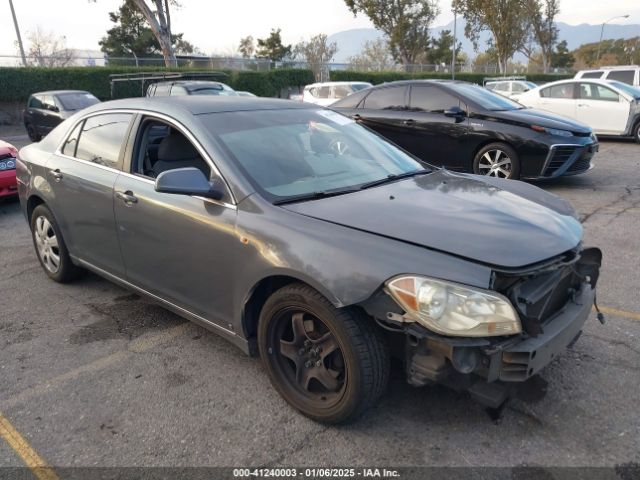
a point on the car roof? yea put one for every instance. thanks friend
(59, 92)
(202, 104)
(329, 84)
(189, 82)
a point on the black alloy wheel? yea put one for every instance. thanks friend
(331, 364)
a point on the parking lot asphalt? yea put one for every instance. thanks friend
(93, 375)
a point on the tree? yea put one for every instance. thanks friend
(505, 19)
(405, 23)
(131, 34)
(159, 20)
(375, 55)
(316, 53)
(562, 57)
(441, 49)
(540, 16)
(247, 48)
(48, 50)
(272, 47)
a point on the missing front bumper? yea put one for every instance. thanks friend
(489, 371)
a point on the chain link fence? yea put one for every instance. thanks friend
(321, 71)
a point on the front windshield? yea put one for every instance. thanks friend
(625, 87)
(77, 101)
(297, 152)
(486, 98)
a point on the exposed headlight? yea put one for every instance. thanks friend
(552, 131)
(452, 309)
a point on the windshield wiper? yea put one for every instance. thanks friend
(314, 196)
(393, 178)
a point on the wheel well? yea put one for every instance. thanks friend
(32, 203)
(259, 295)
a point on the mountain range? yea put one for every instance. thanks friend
(350, 42)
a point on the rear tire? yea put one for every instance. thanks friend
(50, 247)
(330, 364)
(34, 136)
(497, 160)
(636, 132)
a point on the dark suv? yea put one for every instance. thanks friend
(45, 110)
(190, 87)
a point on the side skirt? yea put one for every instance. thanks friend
(232, 337)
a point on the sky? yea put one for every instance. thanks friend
(216, 26)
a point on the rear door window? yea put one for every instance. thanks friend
(341, 91)
(564, 90)
(391, 98)
(431, 99)
(102, 138)
(323, 92)
(626, 76)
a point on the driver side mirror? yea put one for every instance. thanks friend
(189, 181)
(53, 108)
(455, 112)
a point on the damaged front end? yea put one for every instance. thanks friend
(552, 300)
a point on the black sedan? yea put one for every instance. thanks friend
(466, 128)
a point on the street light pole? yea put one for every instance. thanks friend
(602, 32)
(453, 55)
(15, 24)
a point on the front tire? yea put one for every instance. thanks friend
(330, 364)
(32, 132)
(497, 160)
(50, 247)
(636, 132)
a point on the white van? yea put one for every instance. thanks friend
(623, 73)
(328, 92)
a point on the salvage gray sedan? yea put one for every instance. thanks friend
(303, 237)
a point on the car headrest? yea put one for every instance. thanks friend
(175, 147)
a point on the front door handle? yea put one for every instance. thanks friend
(583, 105)
(56, 174)
(356, 117)
(127, 197)
(409, 123)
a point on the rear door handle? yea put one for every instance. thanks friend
(357, 117)
(409, 122)
(56, 174)
(583, 105)
(127, 197)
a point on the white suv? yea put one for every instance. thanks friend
(328, 92)
(627, 74)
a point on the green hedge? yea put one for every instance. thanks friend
(16, 84)
(381, 77)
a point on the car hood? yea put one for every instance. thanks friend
(531, 116)
(496, 222)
